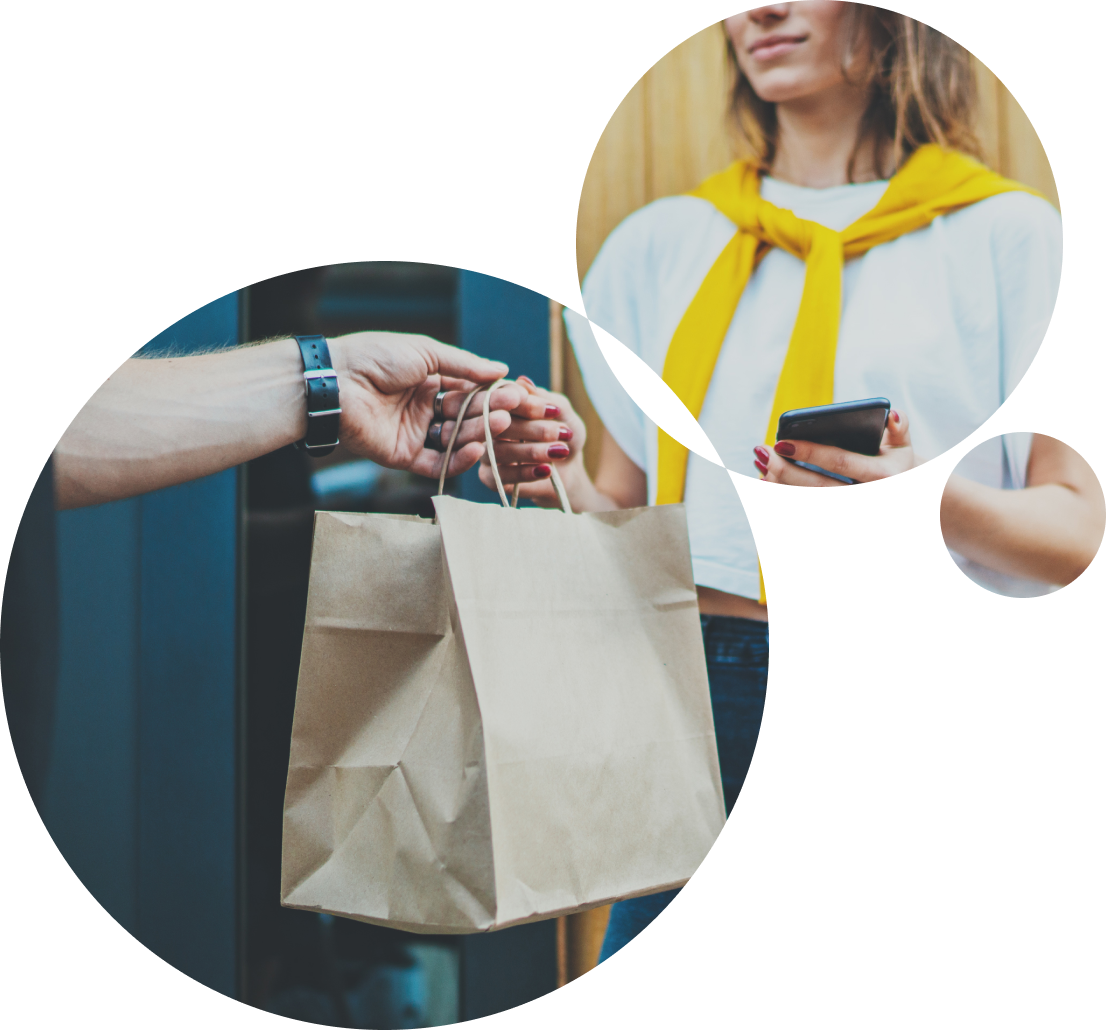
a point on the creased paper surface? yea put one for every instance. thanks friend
(500, 718)
(386, 811)
(583, 637)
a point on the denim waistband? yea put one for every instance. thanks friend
(729, 638)
(733, 624)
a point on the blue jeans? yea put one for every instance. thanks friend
(737, 668)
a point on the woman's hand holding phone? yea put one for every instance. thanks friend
(807, 515)
(895, 455)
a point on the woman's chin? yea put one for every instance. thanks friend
(790, 85)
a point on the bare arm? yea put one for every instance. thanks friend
(618, 481)
(1050, 531)
(161, 421)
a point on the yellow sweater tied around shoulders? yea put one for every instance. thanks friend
(933, 182)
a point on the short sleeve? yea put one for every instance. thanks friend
(633, 298)
(614, 291)
(1000, 462)
(1026, 254)
(1027, 251)
(1028, 270)
(621, 417)
(1015, 459)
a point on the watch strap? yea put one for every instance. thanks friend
(321, 386)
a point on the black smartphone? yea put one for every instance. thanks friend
(855, 426)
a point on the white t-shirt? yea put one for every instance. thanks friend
(943, 321)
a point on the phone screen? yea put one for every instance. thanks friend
(855, 426)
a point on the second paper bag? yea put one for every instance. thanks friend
(500, 718)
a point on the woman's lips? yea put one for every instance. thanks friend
(771, 47)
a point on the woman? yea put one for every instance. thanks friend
(936, 295)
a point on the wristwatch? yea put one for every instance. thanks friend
(321, 385)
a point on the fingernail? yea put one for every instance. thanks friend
(785, 448)
(558, 450)
(526, 379)
(552, 411)
(761, 453)
(895, 415)
(565, 433)
(762, 469)
(542, 472)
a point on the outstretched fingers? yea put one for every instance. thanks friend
(461, 364)
(472, 429)
(512, 397)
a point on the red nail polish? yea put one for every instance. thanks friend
(542, 471)
(565, 433)
(761, 468)
(558, 450)
(526, 379)
(552, 411)
(761, 453)
(785, 448)
(895, 416)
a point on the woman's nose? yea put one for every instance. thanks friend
(769, 15)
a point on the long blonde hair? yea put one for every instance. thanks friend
(922, 91)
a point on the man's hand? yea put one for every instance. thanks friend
(157, 422)
(387, 383)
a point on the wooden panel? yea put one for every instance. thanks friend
(686, 100)
(666, 136)
(1072, 120)
(990, 101)
(1043, 121)
(616, 181)
(579, 941)
(1022, 156)
(1011, 139)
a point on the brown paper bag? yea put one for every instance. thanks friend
(500, 718)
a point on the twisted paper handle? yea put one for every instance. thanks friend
(557, 484)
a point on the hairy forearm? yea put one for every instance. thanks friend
(1049, 532)
(161, 421)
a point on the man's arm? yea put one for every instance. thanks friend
(161, 421)
(1050, 531)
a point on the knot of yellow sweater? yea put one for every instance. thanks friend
(933, 182)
